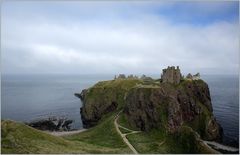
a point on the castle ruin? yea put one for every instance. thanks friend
(193, 77)
(171, 75)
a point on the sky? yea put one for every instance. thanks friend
(110, 37)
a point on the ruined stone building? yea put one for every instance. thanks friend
(193, 77)
(196, 76)
(189, 76)
(171, 75)
(121, 76)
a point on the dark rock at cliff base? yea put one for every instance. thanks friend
(51, 124)
(89, 121)
(96, 106)
(82, 94)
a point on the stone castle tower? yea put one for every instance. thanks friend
(171, 75)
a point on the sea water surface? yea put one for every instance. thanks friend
(224, 91)
(29, 97)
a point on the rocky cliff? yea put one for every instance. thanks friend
(102, 98)
(171, 106)
(153, 105)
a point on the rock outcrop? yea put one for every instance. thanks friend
(94, 107)
(103, 98)
(52, 124)
(155, 104)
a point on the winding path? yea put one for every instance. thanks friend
(124, 135)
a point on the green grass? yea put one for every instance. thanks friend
(104, 135)
(124, 130)
(160, 142)
(149, 142)
(19, 138)
(113, 90)
(125, 84)
(123, 121)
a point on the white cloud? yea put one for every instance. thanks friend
(145, 44)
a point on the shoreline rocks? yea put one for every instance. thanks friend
(51, 124)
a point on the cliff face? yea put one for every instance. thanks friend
(97, 102)
(161, 105)
(170, 106)
(102, 98)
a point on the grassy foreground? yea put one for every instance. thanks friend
(103, 138)
(104, 135)
(19, 138)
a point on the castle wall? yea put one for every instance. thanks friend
(171, 75)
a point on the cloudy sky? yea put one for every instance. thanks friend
(80, 37)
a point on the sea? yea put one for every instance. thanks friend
(27, 98)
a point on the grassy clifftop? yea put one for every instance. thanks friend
(114, 90)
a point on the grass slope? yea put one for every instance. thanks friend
(19, 138)
(157, 141)
(104, 135)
